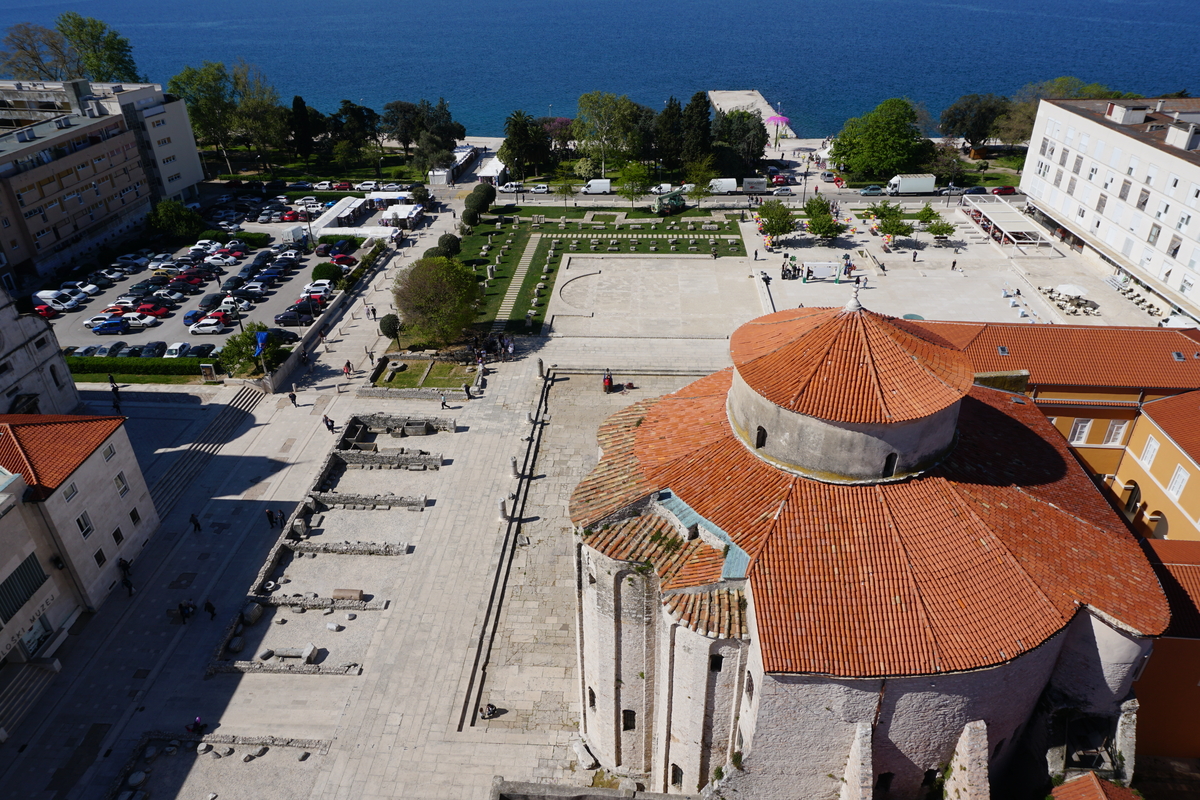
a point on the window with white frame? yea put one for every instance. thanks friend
(85, 524)
(70, 492)
(1079, 431)
(109, 452)
(1179, 479)
(1149, 451)
(1185, 219)
(1133, 165)
(1092, 172)
(122, 484)
(158, 123)
(1115, 432)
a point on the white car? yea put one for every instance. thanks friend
(540, 188)
(134, 258)
(306, 200)
(324, 186)
(510, 188)
(366, 186)
(296, 254)
(207, 244)
(113, 274)
(137, 320)
(90, 289)
(221, 261)
(392, 187)
(230, 304)
(229, 227)
(177, 350)
(99, 318)
(255, 286)
(319, 287)
(77, 295)
(207, 326)
(170, 294)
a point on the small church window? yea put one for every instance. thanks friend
(749, 686)
(760, 437)
(676, 775)
(628, 720)
(591, 698)
(715, 662)
(889, 465)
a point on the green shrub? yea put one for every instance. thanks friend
(470, 217)
(357, 241)
(487, 191)
(326, 272)
(216, 236)
(450, 243)
(136, 366)
(389, 325)
(254, 239)
(435, 252)
(476, 204)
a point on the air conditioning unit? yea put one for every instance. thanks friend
(25, 135)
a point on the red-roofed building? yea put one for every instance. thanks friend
(842, 566)
(1089, 787)
(85, 508)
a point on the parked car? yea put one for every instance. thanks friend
(342, 186)
(282, 336)
(344, 261)
(177, 350)
(319, 287)
(975, 190)
(117, 326)
(86, 288)
(220, 261)
(100, 319)
(154, 350)
(783, 191)
(248, 294)
(232, 283)
(85, 352)
(323, 250)
(207, 326)
(210, 301)
(312, 308)
(193, 316)
(540, 188)
(137, 320)
(391, 187)
(133, 258)
(871, 191)
(234, 304)
(45, 311)
(153, 309)
(366, 186)
(952, 191)
(201, 351)
(132, 351)
(323, 186)
(108, 350)
(169, 297)
(1004, 190)
(78, 296)
(303, 201)
(293, 319)
(300, 185)
(112, 273)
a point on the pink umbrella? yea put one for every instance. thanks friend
(777, 120)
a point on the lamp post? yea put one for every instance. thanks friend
(237, 312)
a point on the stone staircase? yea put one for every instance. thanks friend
(514, 288)
(172, 484)
(21, 694)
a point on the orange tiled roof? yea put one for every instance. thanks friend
(1076, 355)
(935, 574)
(617, 480)
(47, 448)
(1178, 566)
(1089, 787)
(720, 613)
(651, 539)
(1179, 418)
(848, 365)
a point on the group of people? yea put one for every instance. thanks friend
(187, 610)
(493, 347)
(275, 518)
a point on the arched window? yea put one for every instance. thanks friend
(591, 698)
(760, 437)
(1135, 498)
(628, 720)
(889, 465)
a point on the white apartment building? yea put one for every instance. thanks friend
(1119, 180)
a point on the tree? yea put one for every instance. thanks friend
(435, 252)
(700, 174)
(175, 220)
(525, 143)
(817, 206)
(470, 217)
(437, 297)
(940, 228)
(895, 227)
(326, 272)
(635, 182)
(697, 129)
(346, 156)
(487, 192)
(354, 123)
(928, 215)
(450, 243)
(437, 120)
(745, 133)
(389, 326)
(564, 187)
(1016, 125)
(973, 117)
(559, 131)
(885, 210)
(776, 218)
(886, 141)
(604, 125)
(432, 153)
(34, 52)
(585, 168)
(420, 195)
(668, 134)
(945, 163)
(402, 122)
(238, 353)
(475, 203)
(207, 92)
(824, 226)
(259, 116)
(302, 138)
(104, 55)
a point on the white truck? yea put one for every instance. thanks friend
(293, 234)
(597, 186)
(723, 186)
(754, 186)
(911, 184)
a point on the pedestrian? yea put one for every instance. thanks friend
(128, 584)
(211, 609)
(864, 281)
(190, 607)
(914, 256)
(511, 348)
(195, 523)
(328, 422)
(858, 280)
(124, 566)
(953, 265)
(292, 397)
(372, 312)
(371, 356)
(112, 381)
(270, 518)
(182, 614)
(444, 402)
(347, 368)
(280, 517)
(756, 255)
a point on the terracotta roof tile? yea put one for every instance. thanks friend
(650, 539)
(46, 448)
(1178, 566)
(1089, 787)
(848, 366)
(938, 573)
(617, 480)
(719, 614)
(1179, 418)
(1076, 355)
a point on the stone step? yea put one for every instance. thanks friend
(22, 694)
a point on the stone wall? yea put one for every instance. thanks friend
(398, 458)
(368, 501)
(352, 548)
(967, 777)
(859, 777)
(386, 423)
(1098, 663)
(248, 667)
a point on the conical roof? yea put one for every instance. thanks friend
(848, 365)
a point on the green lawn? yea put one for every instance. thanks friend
(471, 256)
(442, 375)
(554, 212)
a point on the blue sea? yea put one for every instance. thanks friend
(817, 62)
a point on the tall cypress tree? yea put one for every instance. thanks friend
(668, 134)
(302, 138)
(697, 129)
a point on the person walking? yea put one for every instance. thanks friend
(371, 356)
(279, 517)
(182, 609)
(953, 265)
(128, 584)
(211, 609)
(195, 523)
(270, 518)
(914, 256)
(756, 255)
(328, 422)
(346, 369)
(116, 406)
(112, 381)
(444, 401)
(292, 397)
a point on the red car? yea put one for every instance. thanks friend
(344, 261)
(1004, 190)
(225, 319)
(192, 280)
(234, 251)
(291, 216)
(153, 310)
(45, 311)
(342, 186)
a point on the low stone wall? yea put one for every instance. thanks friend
(362, 502)
(399, 458)
(351, 548)
(284, 669)
(386, 423)
(319, 603)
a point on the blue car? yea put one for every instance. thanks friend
(192, 317)
(111, 327)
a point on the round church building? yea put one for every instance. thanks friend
(838, 569)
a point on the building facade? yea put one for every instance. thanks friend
(841, 570)
(1119, 181)
(34, 377)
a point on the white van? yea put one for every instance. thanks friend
(597, 186)
(828, 177)
(59, 301)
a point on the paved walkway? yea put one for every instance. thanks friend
(514, 287)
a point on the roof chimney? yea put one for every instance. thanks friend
(1158, 105)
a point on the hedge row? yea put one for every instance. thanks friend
(357, 240)
(364, 264)
(249, 237)
(136, 366)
